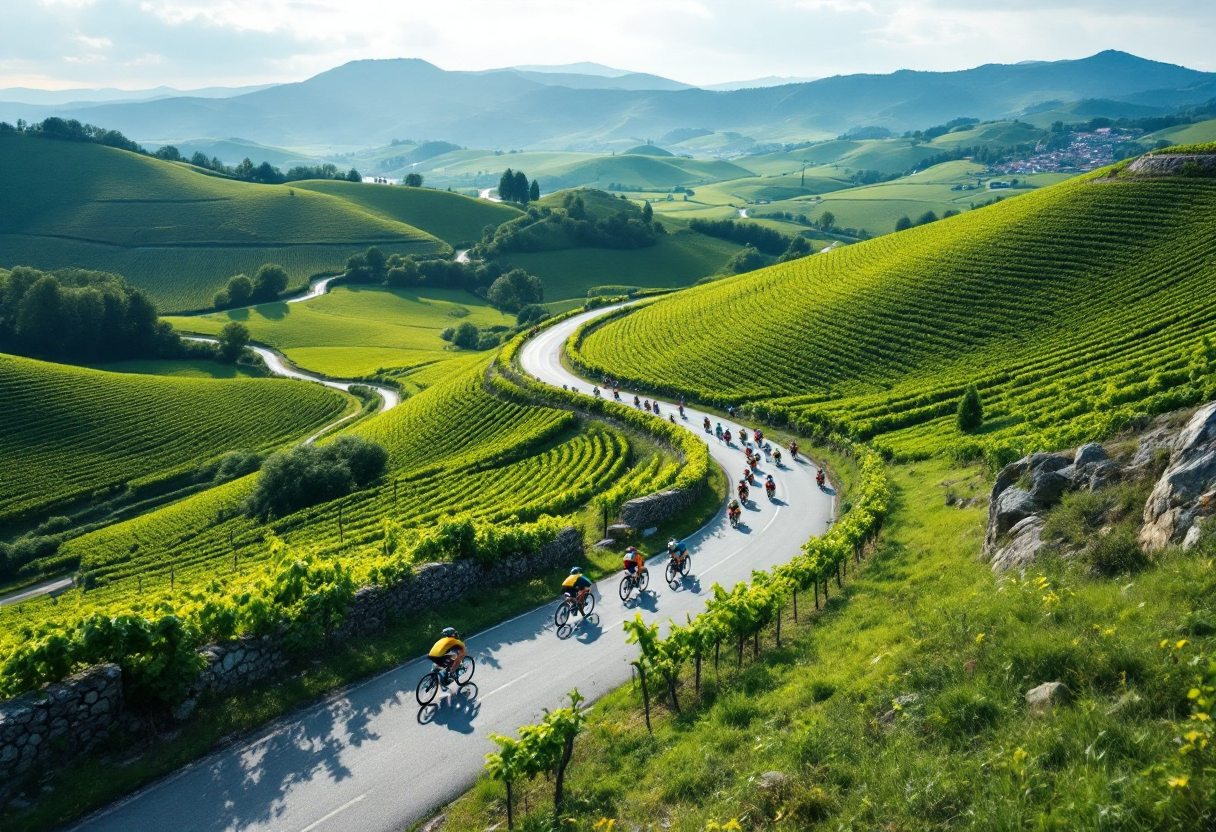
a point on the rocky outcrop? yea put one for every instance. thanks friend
(1174, 164)
(1025, 541)
(1185, 495)
(67, 717)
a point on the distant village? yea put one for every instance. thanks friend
(1087, 151)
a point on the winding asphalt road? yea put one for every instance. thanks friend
(368, 758)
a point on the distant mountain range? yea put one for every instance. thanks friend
(85, 96)
(369, 103)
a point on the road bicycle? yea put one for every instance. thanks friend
(639, 581)
(571, 604)
(676, 569)
(430, 684)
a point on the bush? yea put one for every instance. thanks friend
(448, 333)
(308, 474)
(466, 336)
(236, 292)
(531, 314)
(488, 341)
(970, 410)
(747, 260)
(515, 290)
(1117, 552)
(903, 223)
(268, 283)
(236, 464)
(234, 337)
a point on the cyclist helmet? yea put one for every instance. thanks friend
(449, 632)
(576, 571)
(671, 544)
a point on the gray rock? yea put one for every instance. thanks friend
(183, 711)
(1046, 696)
(606, 543)
(434, 824)
(1103, 474)
(1088, 454)
(619, 531)
(1010, 508)
(1023, 547)
(1184, 493)
(772, 781)
(1048, 486)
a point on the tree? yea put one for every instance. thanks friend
(799, 247)
(970, 410)
(516, 289)
(376, 263)
(926, 218)
(506, 186)
(39, 317)
(236, 292)
(353, 175)
(466, 336)
(647, 212)
(530, 314)
(827, 220)
(413, 180)
(234, 337)
(521, 190)
(903, 224)
(169, 153)
(269, 282)
(748, 259)
(534, 191)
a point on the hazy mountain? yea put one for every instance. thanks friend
(582, 68)
(368, 103)
(756, 83)
(25, 95)
(628, 81)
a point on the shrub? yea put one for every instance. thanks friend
(448, 333)
(234, 337)
(269, 282)
(466, 336)
(970, 410)
(236, 464)
(515, 290)
(488, 341)
(1117, 552)
(308, 474)
(531, 314)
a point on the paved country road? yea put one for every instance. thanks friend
(367, 758)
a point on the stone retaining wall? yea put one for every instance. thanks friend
(1172, 164)
(644, 512)
(68, 717)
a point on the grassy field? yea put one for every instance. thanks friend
(1198, 133)
(69, 432)
(354, 331)
(680, 258)
(453, 218)
(901, 705)
(170, 229)
(178, 368)
(1040, 301)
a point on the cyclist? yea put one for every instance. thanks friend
(759, 434)
(777, 456)
(656, 407)
(677, 549)
(749, 476)
(733, 511)
(447, 654)
(576, 586)
(743, 492)
(596, 392)
(635, 564)
(705, 424)
(794, 449)
(820, 478)
(770, 486)
(726, 436)
(718, 431)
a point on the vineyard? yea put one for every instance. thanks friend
(170, 229)
(457, 455)
(68, 432)
(1073, 309)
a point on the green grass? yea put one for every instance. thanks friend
(1184, 134)
(925, 622)
(68, 432)
(179, 368)
(680, 258)
(453, 218)
(169, 228)
(354, 331)
(1072, 308)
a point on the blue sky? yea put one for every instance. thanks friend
(54, 44)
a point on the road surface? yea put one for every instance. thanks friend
(53, 586)
(368, 758)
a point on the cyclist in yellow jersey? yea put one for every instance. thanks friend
(576, 586)
(447, 654)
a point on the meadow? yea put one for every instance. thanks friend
(170, 229)
(1072, 308)
(456, 219)
(67, 433)
(355, 331)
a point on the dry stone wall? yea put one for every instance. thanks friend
(68, 717)
(653, 509)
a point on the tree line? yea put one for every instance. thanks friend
(573, 224)
(79, 315)
(266, 285)
(513, 186)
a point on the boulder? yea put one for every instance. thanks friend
(1184, 495)
(1025, 541)
(1010, 509)
(1048, 486)
(1089, 454)
(1103, 474)
(1046, 696)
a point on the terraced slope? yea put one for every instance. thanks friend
(66, 432)
(453, 218)
(168, 228)
(1073, 309)
(453, 448)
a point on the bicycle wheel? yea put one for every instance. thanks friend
(562, 615)
(625, 588)
(643, 581)
(428, 686)
(464, 673)
(686, 565)
(672, 573)
(588, 605)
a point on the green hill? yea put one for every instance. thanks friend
(69, 432)
(1072, 308)
(168, 228)
(647, 150)
(453, 218)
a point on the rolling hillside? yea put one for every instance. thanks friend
(168, 228)
(68, 432)
(453, 218)
(1073, 309)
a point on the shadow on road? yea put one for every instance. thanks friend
(455, 712)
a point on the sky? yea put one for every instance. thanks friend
(136, 44)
